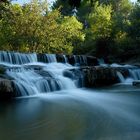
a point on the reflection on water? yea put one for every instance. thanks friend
(80, 114)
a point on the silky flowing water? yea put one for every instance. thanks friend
(80, 114)
(55, 109)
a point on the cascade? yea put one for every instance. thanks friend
(51, 58)
(135, 73)
(48, 78)
(17, 58)
(80, 60)
(121, 77)
(46, 58)
(65, 59)
(42, 73)
(101, 61)
(31, 77)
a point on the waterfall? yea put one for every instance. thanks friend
(17, 58)
(135, 73)
(65, 59)
(80, 60)
(24, 58)
(121, 77)
(46, 58)
(42, 73)
(101, 61)
(51, 58)
(47, 79)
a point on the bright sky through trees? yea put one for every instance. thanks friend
(50, 1)
(26, 1)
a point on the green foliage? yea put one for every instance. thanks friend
(33, 28)
(112, 27)
(134, 27)
(120, 18)
(99, 31)
(64, 7)
(100, 21)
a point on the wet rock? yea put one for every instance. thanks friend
(3, 74)
(82, 60)
(78, 60)
(6, 89)
(123, 70)
(2, 69)
(43, 73)
(136, 83)
(71, 59)
(60, 58)
(76, 75)
(33, 67)
(42, 58)
(99, 76)
(92, 61)
(69, 74)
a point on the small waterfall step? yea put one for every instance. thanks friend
(32, 73)
(48, 78)
(136, 83)
(17, 58)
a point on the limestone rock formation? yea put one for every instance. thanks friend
(99, 76)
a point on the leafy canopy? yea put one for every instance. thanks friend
(32, 27)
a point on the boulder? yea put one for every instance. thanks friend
(99, 76)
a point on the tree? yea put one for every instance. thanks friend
(71, 28)
(4, 6)
(23, 25)
(63, 6)
(100, 21)
(134, 28)
(121, 16)
(33, 28)
(66, 6)
(100, 28)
